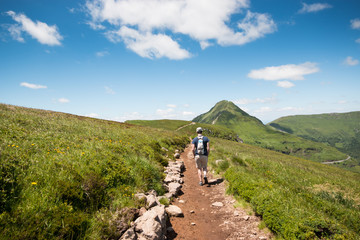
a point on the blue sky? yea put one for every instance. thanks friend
(174, 59)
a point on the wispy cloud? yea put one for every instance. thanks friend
(350, 61)
(63, 100)
(246, 101)
(152, 28)
(102, 53)
(171, 105)
(32, 86)
(314, 7)
(285, 84)
(355, 23)
(284, 72)
(357, 40)
(167, 113)
(40, 31)
(109, 90)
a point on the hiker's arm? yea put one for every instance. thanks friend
(193, 149)
(208, 148)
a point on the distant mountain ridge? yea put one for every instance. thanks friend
(340, 130)
(253, 131)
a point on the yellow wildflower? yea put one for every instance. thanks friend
(33, 183)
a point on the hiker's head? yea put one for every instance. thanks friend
(199, 130)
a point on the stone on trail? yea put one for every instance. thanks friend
(174, 188)
(151, 201)
(177, 155)
(218, 204)
(129, 235)
(174, 211)
(151, 225)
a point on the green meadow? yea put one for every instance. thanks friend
(65, 176)
(295, 197)
(70, 177)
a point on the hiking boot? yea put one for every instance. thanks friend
(205, 180)
(200, 183)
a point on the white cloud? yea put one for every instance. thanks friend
(342, 102)
(109, 90)
(263, 110)
(285, 84)
(185, 113)
(288, 72)
(355, 23)
(246, 101)
(42, 32)
(149, 45)
(102, 53)
(351, 61)
(165, 113)
(171, 105)
(315, 7)
(32, 86)
(289, 109)
(63, 100)
(140, 24)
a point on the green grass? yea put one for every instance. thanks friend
(189, 128)
(163, 124)
(71, 177)
(59, 171)
(296, 198)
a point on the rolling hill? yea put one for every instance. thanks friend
(253, 131)
(69, 177)
(339, 130)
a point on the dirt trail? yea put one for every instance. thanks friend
(201, 219)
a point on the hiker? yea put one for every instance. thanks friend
(201, 150)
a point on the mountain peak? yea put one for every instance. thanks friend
(224, 111)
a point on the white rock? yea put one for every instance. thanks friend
(218, 204)
(174, 188)
(129, 235)
(174, 211)
(181, 201)
(151, 225)
(151, 201)
(236, 213)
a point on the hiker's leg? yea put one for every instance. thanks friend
(205, 165)
(198, 167)
(199, 174)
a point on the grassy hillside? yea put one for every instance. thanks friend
(189, 128)
(340, 130)
(252, 131)
(296, 198)
(67, 177)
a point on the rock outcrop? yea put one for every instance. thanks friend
(151, 225)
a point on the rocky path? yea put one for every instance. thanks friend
(339, 161)
(208, 212)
